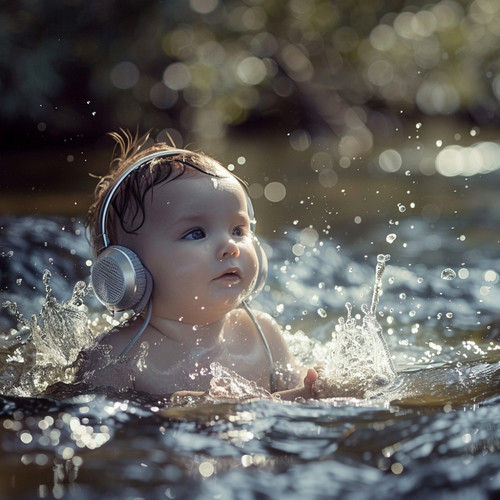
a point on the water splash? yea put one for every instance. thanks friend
(228, 386)
(43, 350)
(359, 363)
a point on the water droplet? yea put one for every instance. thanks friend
(383, 258)
(448, 274)
(390, 238)
(401, 207)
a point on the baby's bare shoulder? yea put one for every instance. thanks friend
(240, 318)
(117, 338)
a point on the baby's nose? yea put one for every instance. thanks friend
(228, 248)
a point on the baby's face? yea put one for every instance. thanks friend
(197, 244)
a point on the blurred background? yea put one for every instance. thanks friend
(338, 113)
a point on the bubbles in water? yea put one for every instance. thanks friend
(390, 238)
(448, 274)
(401, 207)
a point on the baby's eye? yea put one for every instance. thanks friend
(239, 231)
(194, 234)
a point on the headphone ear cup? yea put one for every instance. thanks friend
(260, 281)
(120, 281)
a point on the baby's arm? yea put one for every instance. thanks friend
(283, 358)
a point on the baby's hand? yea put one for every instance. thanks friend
(309, 391)
(310, 381)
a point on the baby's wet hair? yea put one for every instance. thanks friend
(127, 208)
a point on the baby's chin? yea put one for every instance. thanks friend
(195, 313)
(199, 319)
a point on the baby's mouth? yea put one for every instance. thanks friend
(230, 275)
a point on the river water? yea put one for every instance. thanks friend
(431, 432)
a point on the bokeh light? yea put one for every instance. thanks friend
(233, 62)
(275, 192)
(480, 158)
(124, 75)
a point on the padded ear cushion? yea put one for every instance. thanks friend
(120, 281)
(262, 269)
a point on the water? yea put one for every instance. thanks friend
(431, 430)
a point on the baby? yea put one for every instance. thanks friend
(173, 235)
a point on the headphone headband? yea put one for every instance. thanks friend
(109, 196)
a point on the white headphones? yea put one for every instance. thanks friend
(120, 280)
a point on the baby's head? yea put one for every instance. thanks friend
(126, 211)
(181, 215)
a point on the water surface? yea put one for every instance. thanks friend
(433, 432)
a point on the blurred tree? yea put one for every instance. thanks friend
(71, 67)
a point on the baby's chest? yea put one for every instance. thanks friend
(166, 372)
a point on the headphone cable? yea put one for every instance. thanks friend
(273, 383)
(140, 331)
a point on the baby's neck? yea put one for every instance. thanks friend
(188, 335)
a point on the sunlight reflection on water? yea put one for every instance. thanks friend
(442, 333)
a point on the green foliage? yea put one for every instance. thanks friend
(71, 66)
